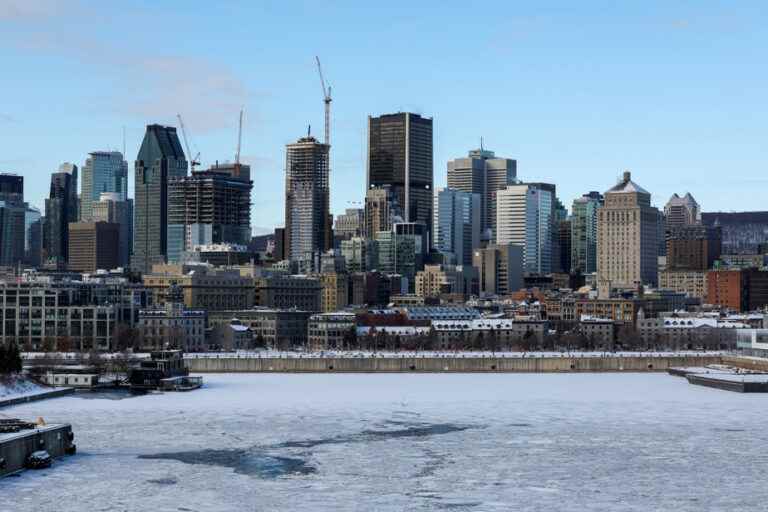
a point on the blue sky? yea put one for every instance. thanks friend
(575, 91)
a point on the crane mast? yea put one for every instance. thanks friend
(239, 138)
(327, 100)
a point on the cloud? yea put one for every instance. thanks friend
(17, 10)
(208, 95)
(7, 118)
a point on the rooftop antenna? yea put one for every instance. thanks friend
(309, 130)
(123, 141)
(481, 143)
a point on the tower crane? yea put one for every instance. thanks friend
(327, 101)
(196, 160)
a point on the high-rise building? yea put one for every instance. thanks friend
(627, 237)
(160, 160)
(525, 216)
(359, 254)
(681, 211)
(584, 232)
(400, 157)
(457, 224)
(60, 210)
(307, 218)
(33, 235)
(93, 246)
(104, 171)
(563, 255)
(12, 219)
(111, 208)
(743, 232)
(381, 211)
(396, 254)
(349, 224)
(209, 207)
(500, 269)
(693, 247)
(485, 174)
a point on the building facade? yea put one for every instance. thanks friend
(499, 268)
(104, 171)
(110, 208)
(525, 216)
(627, 242)
(307, 196)
(485, 174)
(457, 224)
(584, 232)
(93, 246)
(13, 220)
(159, 161)
(400, 157)
(61, 208)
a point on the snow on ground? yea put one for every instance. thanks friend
(15, 387)
(432, 353)
(461, 442)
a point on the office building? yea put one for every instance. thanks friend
(396, 254)
(525, 216)
(499, 268)
(200, 286)
(159, 161)
(627, 237)
(111, 208)
(307, 216)
(382, 210)
(359, 254)
(693, 247)
(209, 207)
(485, 174)
(93, 246)
(104, 171)
(33, 236)
(350, 224)
(13, 213)
(562, 262)
(681, 211)
(437, 280)
(742, 232)
(584, 232)
(740, 290)
(457, 224)
(61, 208)
(400, 157)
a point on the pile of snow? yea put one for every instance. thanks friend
(13, 387)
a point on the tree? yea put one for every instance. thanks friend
(4, 361)
(349, 340)
(63, 344)
(260, 340)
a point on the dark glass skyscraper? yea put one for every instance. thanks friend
(60, 210)
(12, 215)
(400, 156)
(160, 159)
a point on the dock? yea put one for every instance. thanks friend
(739, 383)
(19, 439)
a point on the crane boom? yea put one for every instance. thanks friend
(327, 100)
(193, 160)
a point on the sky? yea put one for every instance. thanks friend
(576, 92)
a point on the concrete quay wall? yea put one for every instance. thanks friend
(447, 364)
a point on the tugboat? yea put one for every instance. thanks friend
(165, 370)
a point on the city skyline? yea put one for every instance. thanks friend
(651, 112)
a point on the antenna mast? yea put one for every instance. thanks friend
(239, 138)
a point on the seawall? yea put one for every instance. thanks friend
(447, 364)
(38, 396)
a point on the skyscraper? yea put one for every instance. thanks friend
(209, 207)
(111, 208)
(104, 171)
(525, 216)
(485, 174)
(12, 219)
(500, 269)
(584, 232)
(60, 210)
(457, 224)
(33, 236)
(307, 218)
(93, 246)
(400, 156)
(627, 237)
(160, 160)
(682, 211)
(381, 211)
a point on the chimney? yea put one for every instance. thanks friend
(627, 176)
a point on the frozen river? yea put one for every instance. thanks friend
(407, 442)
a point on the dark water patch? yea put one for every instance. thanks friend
(520, 425)
(246, 462)
(163, 481)
(730, 430)
(460, 506)
(365, 436)
(106, 394)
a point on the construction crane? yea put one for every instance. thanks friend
(239, 138)
(195, 161)
(327, 100)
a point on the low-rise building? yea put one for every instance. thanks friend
(268, 327)
(329, 331)
(335, 292)
(436, 280)
(202, 286)
(173, 327)
(289, 291)
(691, 282)
(597, 330)
(487, 333)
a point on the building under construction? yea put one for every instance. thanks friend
(209, 207)
(307, 217)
